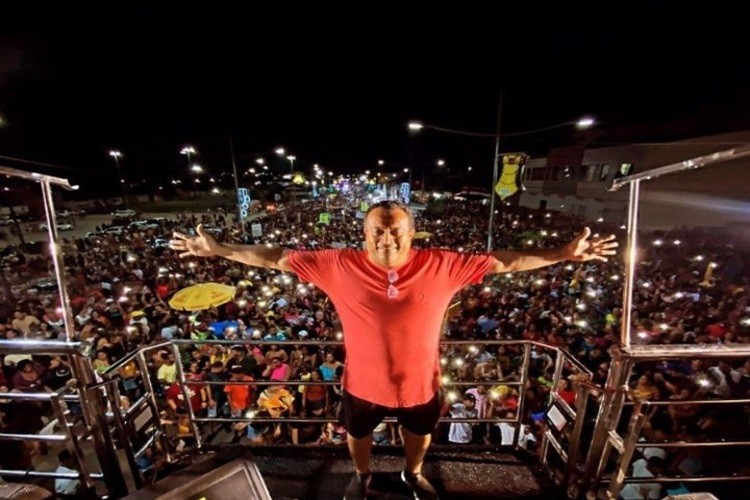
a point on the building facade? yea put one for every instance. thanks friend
(574, 180)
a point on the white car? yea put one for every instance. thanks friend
(60, 227)
(142, 225)
(128, 212)
(114, 230)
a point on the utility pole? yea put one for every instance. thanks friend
(494, 173)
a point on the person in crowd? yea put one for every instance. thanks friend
(461, 432)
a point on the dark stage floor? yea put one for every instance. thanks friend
(324, 472)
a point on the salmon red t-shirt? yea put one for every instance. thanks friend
(391, 343)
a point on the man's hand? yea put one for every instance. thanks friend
(583, 248)
(203, 245)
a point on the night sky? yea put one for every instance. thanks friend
(336, 86)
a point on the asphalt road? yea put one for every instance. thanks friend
(83, 225)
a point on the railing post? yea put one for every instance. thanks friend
(619, 372)
(105, 448)
(186, 395)
(149, 387)
(634, 430)
(522, 395)
(72, 444)
(113, 394)
(575, 436)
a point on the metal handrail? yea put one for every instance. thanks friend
(114, 367)
(37, 396)
(741, 151)
(52, 347)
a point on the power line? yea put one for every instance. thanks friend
(37, 163)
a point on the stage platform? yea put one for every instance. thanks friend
(457, 472)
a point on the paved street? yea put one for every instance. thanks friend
(32, 233)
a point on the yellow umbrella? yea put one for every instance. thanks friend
(202, 296)
(422, 235)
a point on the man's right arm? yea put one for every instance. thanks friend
(256, 255)
(204, 245)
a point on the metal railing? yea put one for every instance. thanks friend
(607, 438)
(76, 428)
(568, 450)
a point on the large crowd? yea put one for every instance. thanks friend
(691, 288)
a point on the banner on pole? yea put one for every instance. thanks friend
(510, 177)
(404, 193)
(243, 203)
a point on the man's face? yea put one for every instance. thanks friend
(388, 235)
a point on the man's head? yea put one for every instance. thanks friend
(469, 400)
(389, 230)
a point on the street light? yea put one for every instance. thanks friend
(291, 159)
(188, 151)
(280, 151)
(414, 126)
(114, 153)
(197, 169)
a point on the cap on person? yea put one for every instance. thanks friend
(303, 333)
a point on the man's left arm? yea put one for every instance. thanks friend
(581, 249)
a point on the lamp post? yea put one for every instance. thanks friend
(123, 185)
(291, 159)
(416, 126)
(189, 151)
(197, 170)
(494, 173)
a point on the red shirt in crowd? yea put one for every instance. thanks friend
(391, 343)
(174, 394)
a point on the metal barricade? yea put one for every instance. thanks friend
(565, 423)
(527, 352)
(607, 438)
(139, 424)
(89, 425)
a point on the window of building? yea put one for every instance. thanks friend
(604, 172)
(625, 169)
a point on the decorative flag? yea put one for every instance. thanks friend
(510, 177)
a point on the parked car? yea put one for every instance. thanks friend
(114, 230)
(127, 212)
(142, 225)
(64, 226)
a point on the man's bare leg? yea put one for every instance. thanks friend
(360, 449)
(415, 448)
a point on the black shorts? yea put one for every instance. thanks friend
(360, 417)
